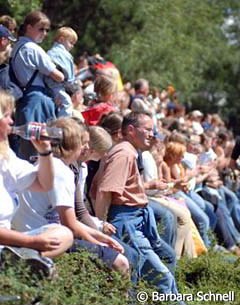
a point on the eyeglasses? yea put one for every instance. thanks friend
(146, 130)
(44, 30)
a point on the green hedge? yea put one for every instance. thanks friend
(83, 279)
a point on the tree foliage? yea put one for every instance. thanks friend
(179, 42)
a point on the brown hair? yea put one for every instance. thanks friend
(8, 22)
(72, 133)
(105, 85)
(111, 122)
(32, 19)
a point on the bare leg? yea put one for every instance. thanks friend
(64, 234)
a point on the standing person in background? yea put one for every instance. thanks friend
(6, 37)
(11, 24)
(30, 64)
(64, 41)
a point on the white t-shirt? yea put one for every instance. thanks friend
(150, 170)
(190, 161)
(39, 208)
(207, 156)
(16, 175)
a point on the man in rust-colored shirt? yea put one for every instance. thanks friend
(120, 198)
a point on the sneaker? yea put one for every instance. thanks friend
(219, 248)
(39, 265)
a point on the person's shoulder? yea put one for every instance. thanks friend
(59, 164)
(123, 148)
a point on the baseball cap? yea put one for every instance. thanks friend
(4, 32)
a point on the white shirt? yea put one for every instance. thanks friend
(16, 175)
(150, 170)
(39, 208)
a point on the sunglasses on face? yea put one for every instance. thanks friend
(44, 30)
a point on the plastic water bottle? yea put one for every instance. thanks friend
(38, 132)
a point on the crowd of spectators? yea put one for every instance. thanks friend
(136, 180)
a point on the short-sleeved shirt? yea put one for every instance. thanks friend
(119, 175)
(30, 57)
(16, 176)
(39, 208)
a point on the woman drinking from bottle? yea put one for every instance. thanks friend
(16, 176)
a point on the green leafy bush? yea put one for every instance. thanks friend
(83, 279)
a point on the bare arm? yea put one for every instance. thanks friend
(37, 242)
(155, 184)
(57, 76)
(45, 174)
(68, 218)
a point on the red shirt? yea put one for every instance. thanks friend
(93, 114)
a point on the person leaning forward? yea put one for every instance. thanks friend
(120, 198)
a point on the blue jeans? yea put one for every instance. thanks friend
(133, 259)
(34, 106)
(206, 207)
(137, 227)
(232, 203)
(222, 231)
(167, 221)
(218, 198)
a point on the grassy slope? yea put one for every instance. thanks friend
(83, 280)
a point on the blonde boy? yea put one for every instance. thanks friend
(64, 41)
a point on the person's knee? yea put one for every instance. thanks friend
(121, 264)
(65, 234)
(184, 218)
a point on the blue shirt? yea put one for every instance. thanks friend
(62, 58)
(31, 57)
